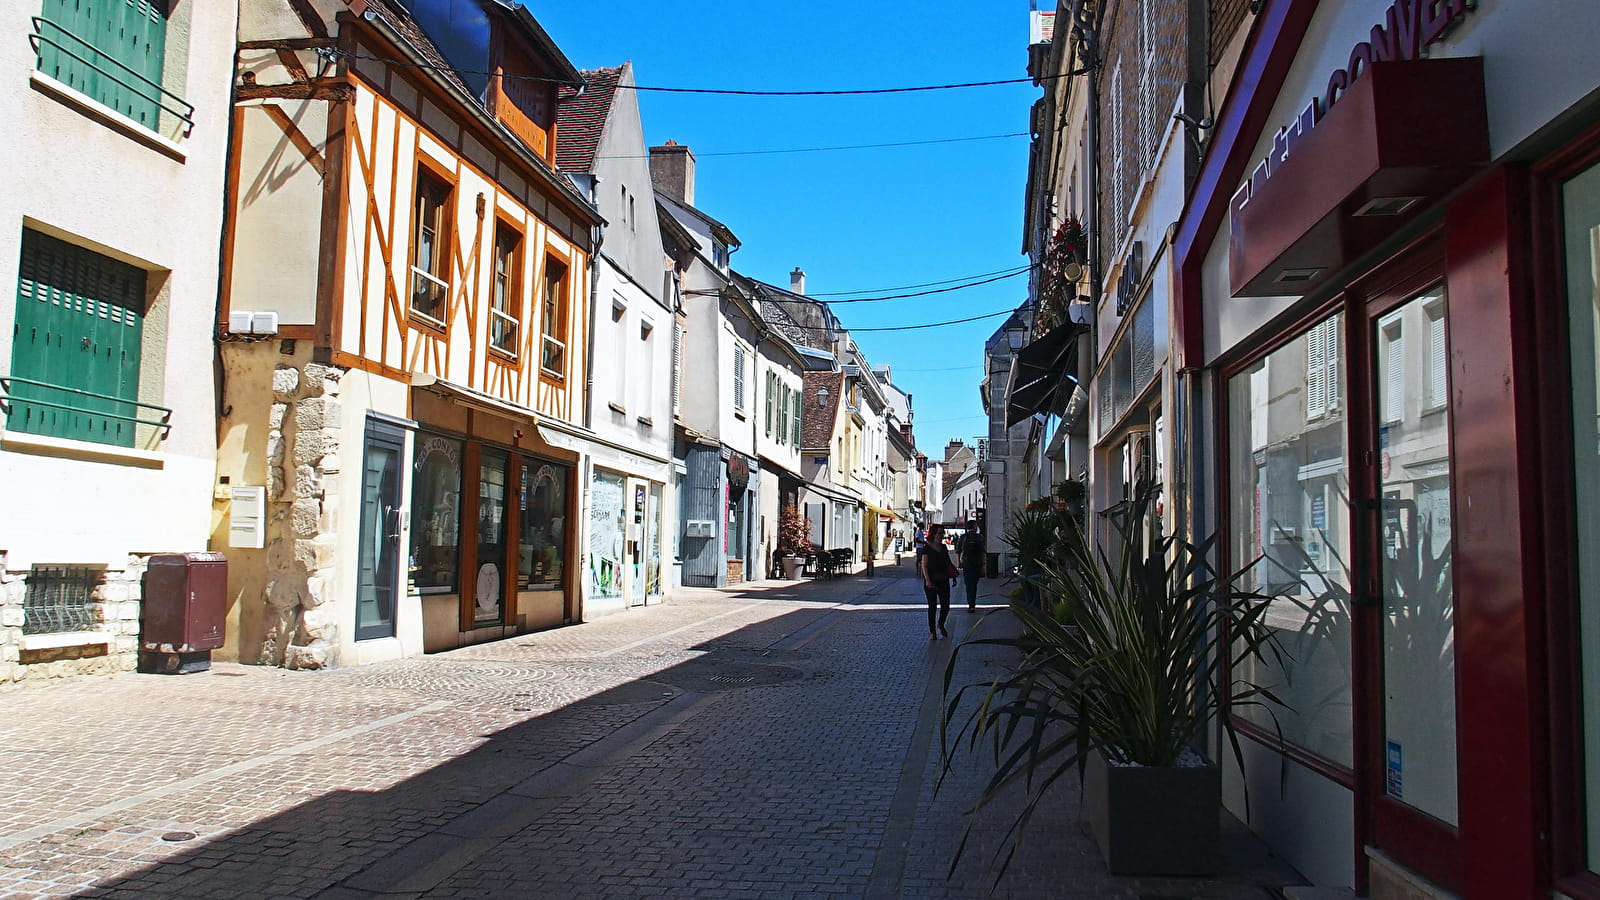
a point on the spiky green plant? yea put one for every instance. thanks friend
(1133, 655)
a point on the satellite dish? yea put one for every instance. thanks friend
(1072, 271)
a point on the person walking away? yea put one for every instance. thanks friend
(935, 569)
(974, 553)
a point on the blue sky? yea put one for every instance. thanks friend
(857, 219)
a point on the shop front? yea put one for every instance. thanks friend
(1387, 304)
(625, 542)
(492, 512)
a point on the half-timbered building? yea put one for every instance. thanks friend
(404, 318)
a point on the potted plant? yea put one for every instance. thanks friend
(1118, 676)
(794, 540)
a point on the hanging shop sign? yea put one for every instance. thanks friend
(738, 472)
(1408, 29)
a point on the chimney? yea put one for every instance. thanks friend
(672, 170)
(797, 281)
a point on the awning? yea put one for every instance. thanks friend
(1039, 371)
(879, 510)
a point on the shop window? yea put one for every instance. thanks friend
(505, 314)
(1581, 218)
(541, 544)
(435, 514)
(488, 591)
(607, 524)
(1289, 523)
(553, 355)
(430, 249)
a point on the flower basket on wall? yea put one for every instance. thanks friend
(1059, 273)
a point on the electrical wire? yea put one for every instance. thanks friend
(957, 140)
(943, 290)
(907, 287)
(738, 92)
(1004, 312)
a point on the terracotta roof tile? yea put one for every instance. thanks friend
(816, 428)
(581, 118)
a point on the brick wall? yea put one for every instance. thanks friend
(1227, 17)
(1143, 45)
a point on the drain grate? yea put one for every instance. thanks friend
(732, 679)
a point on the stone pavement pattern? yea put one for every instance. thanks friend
(772, 740)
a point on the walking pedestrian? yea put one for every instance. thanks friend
(933, 564)
(974, 555)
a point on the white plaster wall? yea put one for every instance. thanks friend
(786, 455)
(277, 226)
(703, 381)
(630, 372)
(738, 427)
(69, 173)
(1310, 820)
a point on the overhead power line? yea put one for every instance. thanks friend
(739, 92)
(907, 287)
(955, 140)
(1004, 312)
(944, 290)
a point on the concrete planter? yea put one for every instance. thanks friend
(1152, 820)
(792, 566)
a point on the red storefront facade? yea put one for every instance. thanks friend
(1388, 277)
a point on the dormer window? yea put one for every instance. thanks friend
(719, 255)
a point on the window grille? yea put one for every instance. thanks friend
(58, 600)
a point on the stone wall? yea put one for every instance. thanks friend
(115, 602)
(303, 442)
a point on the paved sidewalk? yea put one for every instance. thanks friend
(777, 739)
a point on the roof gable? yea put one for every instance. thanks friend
(581, 118)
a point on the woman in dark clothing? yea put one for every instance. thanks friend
(933, 564)
(974, 561)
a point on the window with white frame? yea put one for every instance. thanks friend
(430, 248)
(1322, 369)
(738, 378)
(1438, 363)
(1392, 357)
(677, 363)
(505, 311)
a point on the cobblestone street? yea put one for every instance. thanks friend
(775, 740)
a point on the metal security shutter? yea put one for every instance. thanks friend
(78, 332)
(703, 562)
(111, 50)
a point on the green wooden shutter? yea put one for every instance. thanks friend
(111, 50)
(79, 327)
